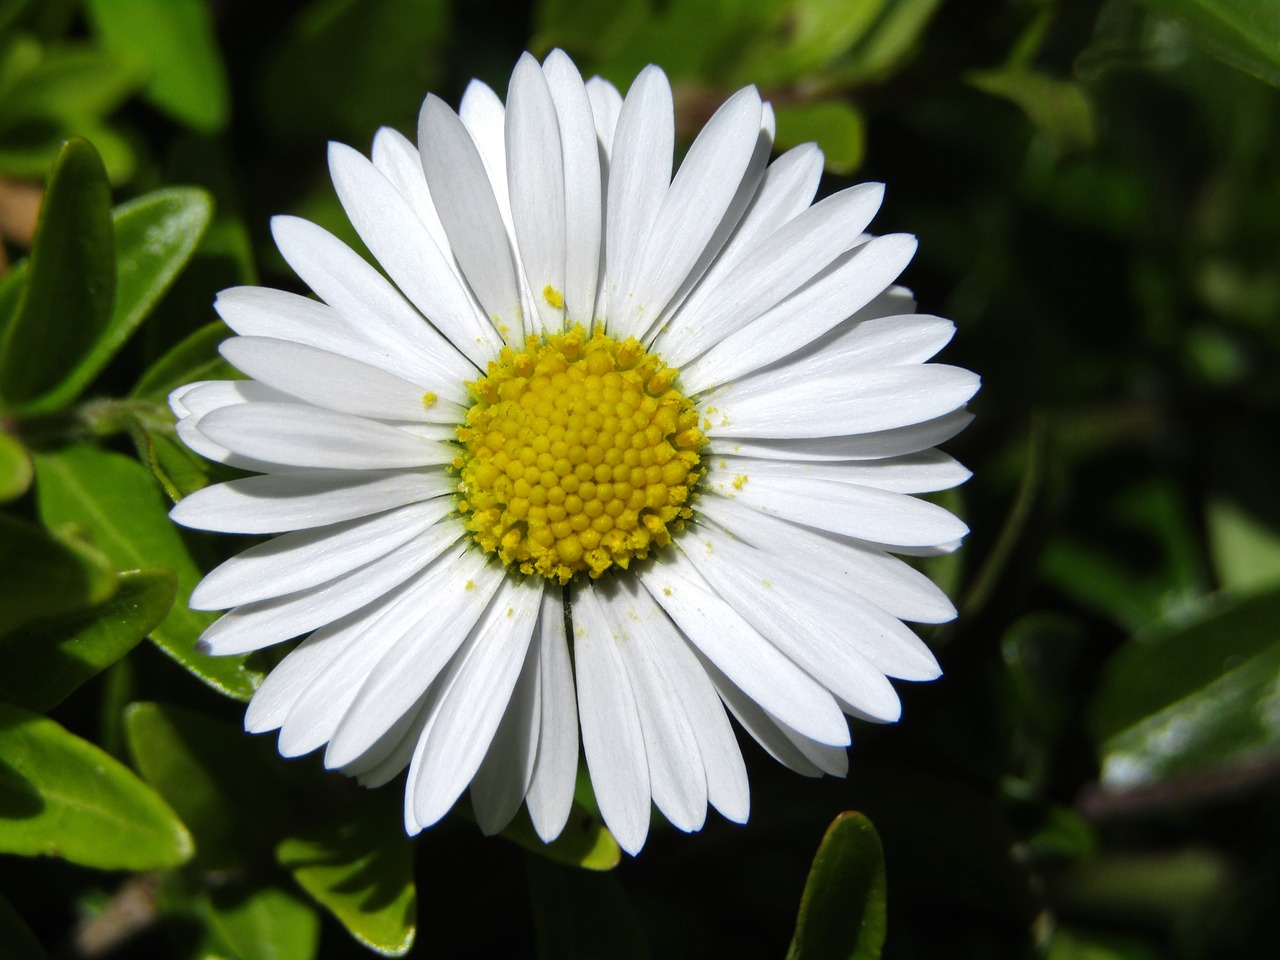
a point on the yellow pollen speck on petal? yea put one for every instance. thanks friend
(579, 454)
(666, 591)
(740, 481)
(553, 296)
(428, 400)
(471, 585)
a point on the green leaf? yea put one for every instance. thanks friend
(174, 41)
(834, 125)
(266, 924)
(63, 797)
(1246, 552)
(71, 280)
(889, 41)
(1058, 109)
(361, 871)
(155, 236)
(1191, 698)
(224, 788)
(178, 470)
(1243, 33)
(15, 468)
(43, 664)
(842, 909)
(585, 841)
(115, 498)
(44, 575)
(195, 358)
(20, 943)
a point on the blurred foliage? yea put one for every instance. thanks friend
(1096, 188)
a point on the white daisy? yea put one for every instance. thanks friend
(503, 514)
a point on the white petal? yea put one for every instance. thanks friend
(252, 626)
(612, 738)
(291, 678)
(755, 664)
(536, 184)
(606, 106)
(503, 778)
(300, 435)
(398, 160)
(404, 248)
(639, 175)
(355, 289)
(300, 501)
(925, 472)
(894, 585)
(726, 774)
(868, 446)
(839, 292)
(555, 772)
(584, 206)
(769, 273)
(336, 382)
(307, 558)
(828, 630)
(882, 398)
(463, 589)
(852, 510)
(677, 778)
(465, 201)
(695, 206)
(474, 692)
(482, 113)
(196, 399)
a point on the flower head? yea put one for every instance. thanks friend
(611, 451)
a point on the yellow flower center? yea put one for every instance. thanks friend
(578, 454)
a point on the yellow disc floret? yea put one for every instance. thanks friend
(578, 454)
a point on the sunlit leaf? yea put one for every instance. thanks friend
(155, 236)
(1192, 697)
(834, 125)
(15, 468)
(266, 923)
(842, 910)
(115, 498)
(1246, 553)
(174, 45)
(1244, 33)
(1058, 109)
(63, 797)
(17, 936)
(889, 41)
(211, 773)
(70, 286)
(44, 663)
(584, 842)
(43, 575)
(361, 871)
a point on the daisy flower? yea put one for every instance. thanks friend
(609, 451)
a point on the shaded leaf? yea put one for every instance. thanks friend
(1192, 697)
(63, 797)
(585, 841)
(834, 125)
(155, 236)
(1164, 888)
(842, 910)
(174, 44)
(266, 924)
(1058, 109)
(43, 664)
(1244, 33)
(195, 358)
(19, 942)
(582, 916)
(71, 280)
(44, 575)
(211, 773)
(361, 871)
(115, 498)
(15, 468)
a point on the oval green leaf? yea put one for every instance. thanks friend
(44, 664)
(842, 910)
(15, 468)
(155, 236)
(44, 576)
(1243, 33)
(116, 500)
(834, 125)
(71, 279)
(64, 797)
(266, 924)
